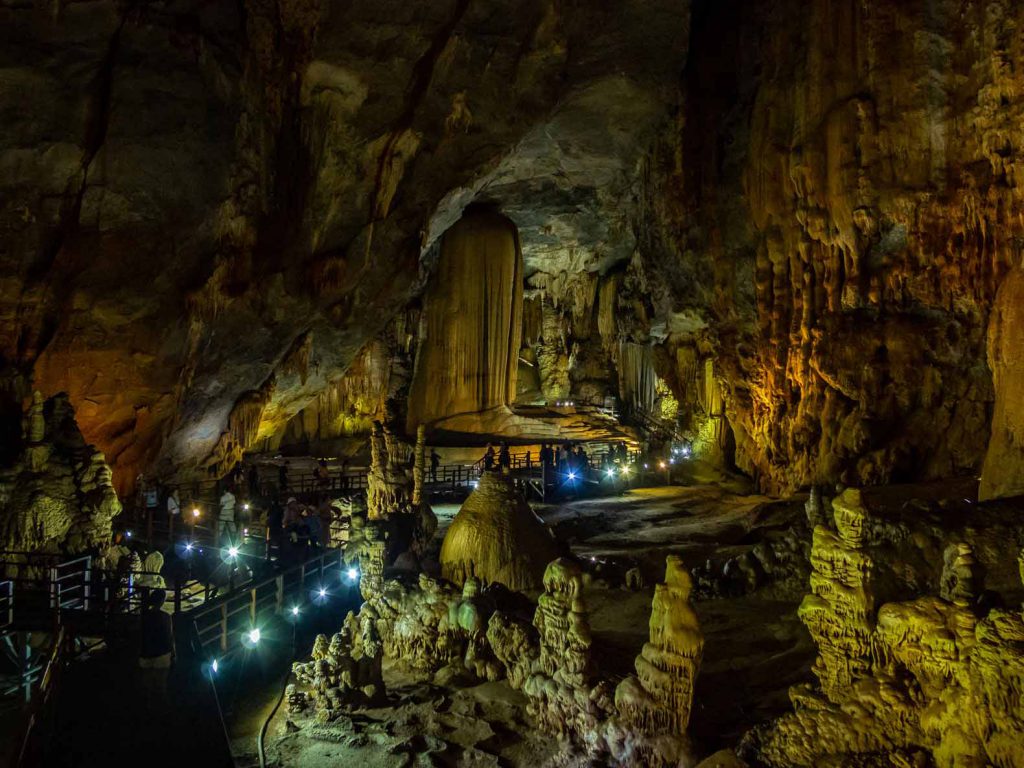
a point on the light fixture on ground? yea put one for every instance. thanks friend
(352, 575)
(232, 551)
(195, 512)
(254, 635)
(213, 666)
(295, 610)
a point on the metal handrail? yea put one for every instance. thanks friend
(213, 620)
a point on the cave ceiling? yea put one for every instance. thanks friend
(204, 203)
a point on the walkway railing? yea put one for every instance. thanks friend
(237, 614)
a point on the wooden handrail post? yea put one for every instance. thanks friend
(149, 526)
(279, 593)
(224, 626)
(252, 605)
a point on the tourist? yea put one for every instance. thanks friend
(292, 512)
(322, 475)
(282, 478)
(314, 528)
(489, 458)
(173, 503)
(504, 456)
(275, 521)
(226, 518)
(546, 455)
(435, 462)
(326, 513)
(156, 650)
(254, 481)
(529, 461)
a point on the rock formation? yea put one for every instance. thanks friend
(472, 317)
(659, 699)
(343, 672)
(398, 520)
(496, 537)
(57, 494)
(839, 612)
(1003, 471)
(922, 676)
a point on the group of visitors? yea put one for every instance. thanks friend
(297, 530)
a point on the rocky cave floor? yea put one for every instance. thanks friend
(755, 645)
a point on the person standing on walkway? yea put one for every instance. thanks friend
(282, 478)
(254, 481)
(435, 462)
(226, 518)
(173, 503)
(504, 456)
(489, 458)
(156, 651)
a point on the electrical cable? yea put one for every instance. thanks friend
(266, 723)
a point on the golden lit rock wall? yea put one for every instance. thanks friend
(839, 192)
(472, 322)
(1003, 471)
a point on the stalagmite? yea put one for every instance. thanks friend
(660, 697)
(496, 537)
(472, 324)
(58, 494)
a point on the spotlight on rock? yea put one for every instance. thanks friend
(352, 574)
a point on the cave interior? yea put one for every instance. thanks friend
(643, 382)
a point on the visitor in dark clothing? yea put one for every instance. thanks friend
(157, 647)
(435, 462)
(275, 520)
(282, 477)
(254, 481)
(489, 458)
(504, 457)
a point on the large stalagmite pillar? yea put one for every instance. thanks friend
(472, 322)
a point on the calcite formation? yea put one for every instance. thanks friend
(298, 163)
(660, 697)
(344, 671)
(57, 495)
(839, 612)
(432, 626)
(469, 353)
(927, 676)
(398, 519)
(496, 537)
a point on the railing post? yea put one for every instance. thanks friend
(149, 526)
(279, 593)
(86, 586)
(224, 626)
(54, 588)
(170, 528)
(177, 593)
(252, 605)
